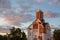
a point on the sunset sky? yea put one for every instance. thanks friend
(21, 13)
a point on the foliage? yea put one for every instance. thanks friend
(15, 34)
(23, 36)
(56, 35)
(3, 37)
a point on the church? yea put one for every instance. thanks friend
(39, 29)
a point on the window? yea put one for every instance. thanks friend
(41, 15)
(35, 26)
(35, 38)
(40, 37)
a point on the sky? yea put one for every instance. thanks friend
(21, 13)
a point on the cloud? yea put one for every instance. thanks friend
(40, 1)
(5, 4)
(4, 30)
(15, 12)
(50, 14)
(21, 11)
(16, 18)
(54, 2)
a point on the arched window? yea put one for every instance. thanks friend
(40, 37)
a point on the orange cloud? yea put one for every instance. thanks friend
(3, 21)
(2, 33)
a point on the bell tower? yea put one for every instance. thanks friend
(39, 15)
(39, 29)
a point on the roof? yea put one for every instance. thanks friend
(39, 10)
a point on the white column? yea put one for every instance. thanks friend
(42, 36)
(32, 33)
(38, 31)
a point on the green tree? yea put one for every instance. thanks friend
(12, 34)
(56, 35)
(1, 37)
(5, 37)
(24, 36)
(16, 34)
(12, 31)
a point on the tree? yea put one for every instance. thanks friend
(5, 37)
(1, 37)
(12, 34)
(18, 34)
(56, 35)
(24, 36)
(12, 31)
(15, 34)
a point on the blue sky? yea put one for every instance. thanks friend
(21, 13)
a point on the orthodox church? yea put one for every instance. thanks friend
(39, 29)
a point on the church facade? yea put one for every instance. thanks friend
(39, 29)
